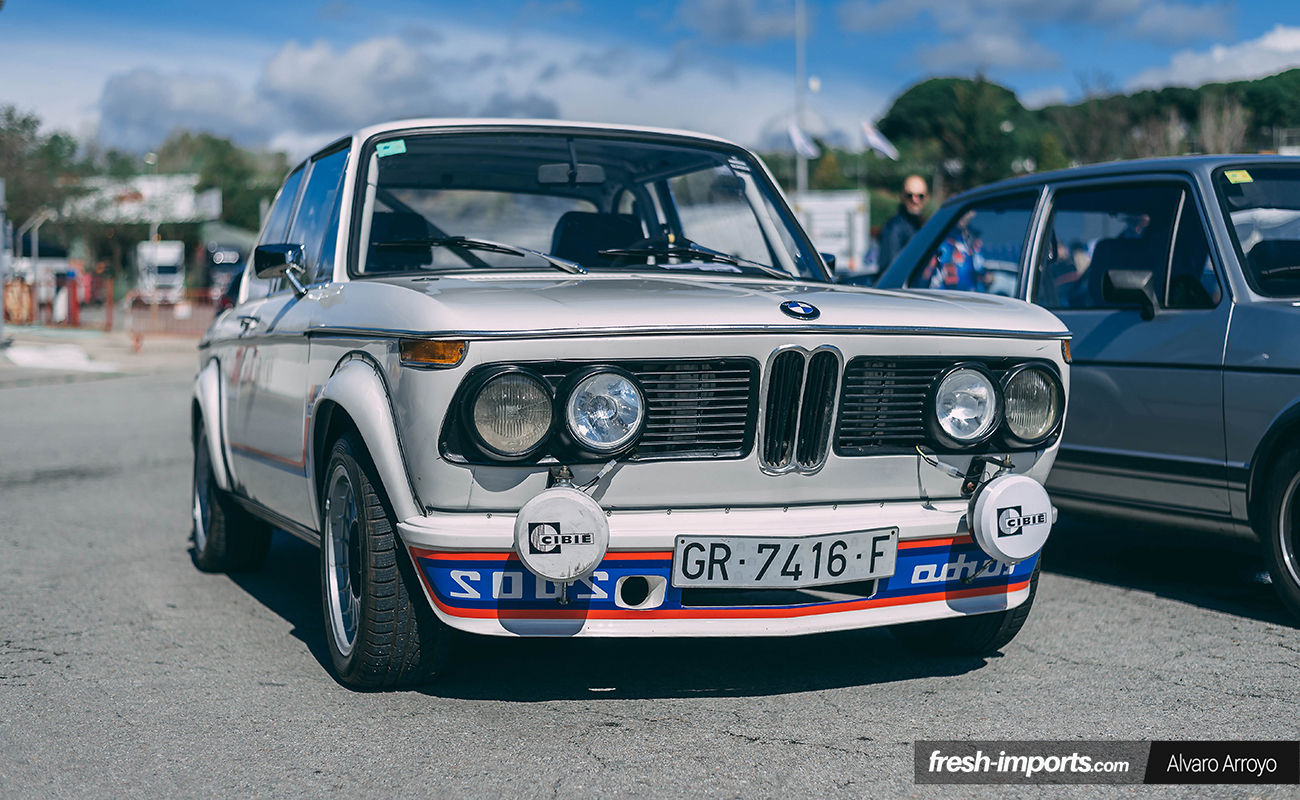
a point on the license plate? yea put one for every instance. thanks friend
(752, 562)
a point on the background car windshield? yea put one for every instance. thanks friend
(572, 196)
(1264, 206)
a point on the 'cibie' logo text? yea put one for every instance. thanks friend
(1012, 521)
(545, 537)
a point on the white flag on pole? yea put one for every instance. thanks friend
(877, 141)
(803, 143)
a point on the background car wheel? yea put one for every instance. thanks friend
(380, 636)
(1281, 528)
(226, 537)
(981, 634)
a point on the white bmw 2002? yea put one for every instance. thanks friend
(553, 379)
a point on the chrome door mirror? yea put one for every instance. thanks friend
(276, 260)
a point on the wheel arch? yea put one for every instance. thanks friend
(1283, 433)
(205, 409)
(356, 398)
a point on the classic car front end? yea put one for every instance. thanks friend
(698, 448)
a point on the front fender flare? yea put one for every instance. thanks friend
(207, 395)
(360, 391)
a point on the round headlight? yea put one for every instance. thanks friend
(512, 413)
(966, 405)
(605, 411)
(1034, 404)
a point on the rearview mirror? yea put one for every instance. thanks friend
(1131, 287)
(559, 173)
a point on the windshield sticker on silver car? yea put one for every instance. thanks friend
(393, 148)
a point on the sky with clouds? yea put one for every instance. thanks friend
(293, 74)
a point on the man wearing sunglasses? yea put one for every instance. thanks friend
(901, 227)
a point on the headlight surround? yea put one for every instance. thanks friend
(965, 407)
(604, 409)
(1034, 402)
(511, 413)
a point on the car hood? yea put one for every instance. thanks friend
(531, 304)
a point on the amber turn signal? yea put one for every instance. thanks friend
(421, 352)
(1065, 350)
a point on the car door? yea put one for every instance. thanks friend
(1145, 422)
(269, 420)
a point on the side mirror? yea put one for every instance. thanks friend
(277, 260)
(829, 258)
(1131, 287)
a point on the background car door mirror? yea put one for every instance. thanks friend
(1131, 286)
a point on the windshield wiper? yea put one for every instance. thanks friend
(486, 246)
(694, 254)
(1276, 272)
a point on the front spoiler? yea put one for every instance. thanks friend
(487, 590)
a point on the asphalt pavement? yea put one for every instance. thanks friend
(126, 672)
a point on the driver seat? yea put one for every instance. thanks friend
(581, 235)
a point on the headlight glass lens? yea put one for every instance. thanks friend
(512, 413)
(604, 412)
(966, 405)
(1033, 404)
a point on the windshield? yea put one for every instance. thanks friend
(436, 202)
(1263, 203)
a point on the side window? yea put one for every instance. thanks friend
(980, 251)
(1192, 282)
(274, 230)
(1092, 231)
(316, 224)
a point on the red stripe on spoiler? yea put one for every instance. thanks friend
(725, 613)
(943, 541)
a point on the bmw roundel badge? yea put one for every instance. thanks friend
(800, 310)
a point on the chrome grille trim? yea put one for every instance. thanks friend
(798, 405)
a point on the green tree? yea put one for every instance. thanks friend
(244, 178)
(39, 169)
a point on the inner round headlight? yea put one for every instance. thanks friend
(966, 405)
(512, 413)
(1033, 404)
(605, 412)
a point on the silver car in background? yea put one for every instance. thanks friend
(553, 379)
(1180, 280)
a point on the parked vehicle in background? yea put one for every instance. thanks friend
(552, 379)
(837, 224)
(160, 271)
(1180, 280)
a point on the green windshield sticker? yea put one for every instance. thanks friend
(1238, 176)
(393, 148)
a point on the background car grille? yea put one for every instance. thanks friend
(800, 409)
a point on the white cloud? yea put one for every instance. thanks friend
(305, 94)
(1178, 23)
(989, 49)
(1274, 52)
(977, 34)
(1046, 96)
(738, 20)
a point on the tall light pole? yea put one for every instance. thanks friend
(800, 84)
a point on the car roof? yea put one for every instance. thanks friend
(537, 125)
(1201, 165)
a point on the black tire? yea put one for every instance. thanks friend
(385, 637)
(978, 635)
(1280, 528)
(226, 537)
